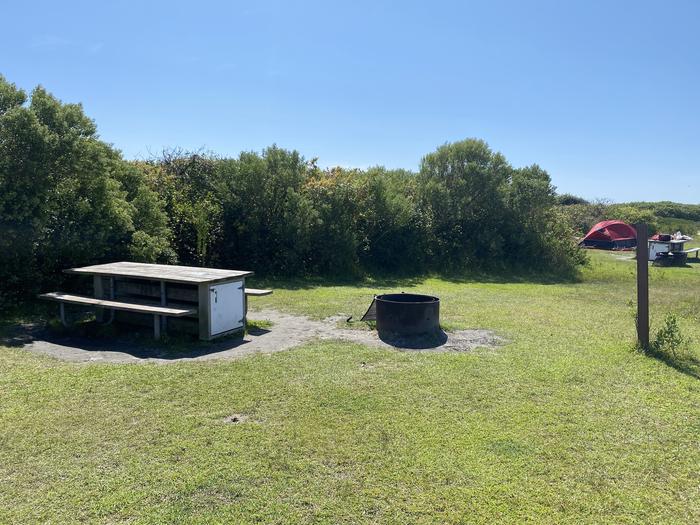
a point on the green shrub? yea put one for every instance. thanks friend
(334, 237)
(567, 199)
(66, 198)
(265, 216)
(659, 216)
(689, 212)
(482, 212)
(461, 187)
(392, 229)
(669, 341)
(632, 215)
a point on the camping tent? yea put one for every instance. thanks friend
(611, 235)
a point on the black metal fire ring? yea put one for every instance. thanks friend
(407, 314)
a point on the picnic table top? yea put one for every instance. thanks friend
(162, 272)
(672, 241)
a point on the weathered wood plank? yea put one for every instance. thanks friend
(117, 305)
(162, 272)
(171, 304)
(255, 292)
(174, 292)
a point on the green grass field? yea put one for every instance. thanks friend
(566, 424)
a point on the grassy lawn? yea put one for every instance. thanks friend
(567, 423)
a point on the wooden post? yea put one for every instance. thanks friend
(642, 286)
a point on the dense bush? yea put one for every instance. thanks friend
(583, 216)
(658, 216)
(567, 199)
(689, 212)
(391, 221)
(672, 216)
(277, 214)
(482, 212)
(462, 189)
(67, 199)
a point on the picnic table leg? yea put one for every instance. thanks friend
(99, 294)
(111, 296)
(245, 306)
(156, 327)
(163, 302)
(62, 308)
(203, 311)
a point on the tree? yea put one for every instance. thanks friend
(461, 186)
(24, 189)
(66, 198)
(266, 216)
(539, 230)
(392, 230)
(567, 199)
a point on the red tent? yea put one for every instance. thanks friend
(611, 235)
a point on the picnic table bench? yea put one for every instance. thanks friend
(156, 311)
(209, 301)
(676, 257)
(256, 292)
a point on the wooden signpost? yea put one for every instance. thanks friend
(642, 286)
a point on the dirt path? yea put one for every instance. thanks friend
(287, 331)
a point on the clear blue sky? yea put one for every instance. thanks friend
(602, 94)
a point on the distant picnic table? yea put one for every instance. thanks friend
(671, 251)
(211, 302)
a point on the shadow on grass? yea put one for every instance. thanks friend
(685, 364)
(689, 264)
(381, 281)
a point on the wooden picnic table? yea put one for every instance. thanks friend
(163, 272)
(210, 301)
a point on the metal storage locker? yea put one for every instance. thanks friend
(226, 307)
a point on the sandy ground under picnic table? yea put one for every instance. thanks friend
(286, 331)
